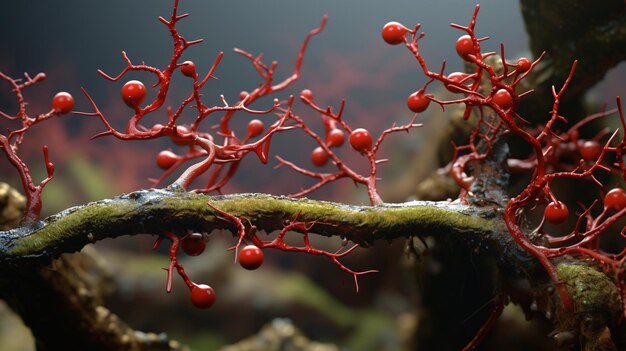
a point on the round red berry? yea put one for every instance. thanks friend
(523, 65)
(188, 68)
(178, 140)
(503, 99)
(615, 199)
(465, 46)
(319, 157)
(134, 93)
(457, 78)
(590, 150)
(62, 103)
(166, 159)
(335, 138)
(306, 94)
(194, 244)
(418, 102)
(243, 94)
(361, 140)
(251, 257)
(202, 296)
(556, 212)
(394, 33)
(255, 128)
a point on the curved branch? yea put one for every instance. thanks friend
(156, 210)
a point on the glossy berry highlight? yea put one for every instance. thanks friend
(306, 94)
(133, 93)
(63, 103)
(503, 99)
(188, 69)
(615, 199)
(361, 140)
(418, 102)
(590, 150)
(166, 159)
(394, 33)
(523, 65)
(251, 257)
(319, 157)
(335, 138)
(202, 296)
(255, 128)
(556, 212)
(465, 46)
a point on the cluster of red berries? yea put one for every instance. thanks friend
(556, 212)
(360, 139)
(203, 296)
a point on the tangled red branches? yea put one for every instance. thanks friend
(10, 142)
(491, 96)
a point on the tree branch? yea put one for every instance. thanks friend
(156, 210)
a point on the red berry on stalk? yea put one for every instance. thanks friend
(418, 102)
(62, 103)
(361, 140)
(194, 244)
(306, 93)
(465, 46)
(182, 130)
(202, 296)
(556, 212)
(251, 257)
(188, 68)
(590, 150)
(133, 93)
(255, 128)
(394, 33)
(615, 199)
(523, 65)
(456, 77)
(319, 157)
(166, 159)
(503, 99)
(243, 94)
(335, 138)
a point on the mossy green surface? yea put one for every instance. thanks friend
(154, 211)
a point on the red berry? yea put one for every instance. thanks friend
(202, 296)
(394, 33)
(418, 102)
(255, 128)
(307, 94)
(166, 159)
(335, 138)
(62, 103)
(133, 93)
(503, 99)
(251, 257)
(615, 199)
(319, 157)
(182, 130)
(361, 140)
(590, 150)
(523, 64)
(556, 212)
(456, 77)
(465, 46)
(194, 244)
(188, 68)
(243, 94)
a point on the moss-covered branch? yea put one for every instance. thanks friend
(153, 211)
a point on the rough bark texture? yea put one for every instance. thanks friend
(153, 211)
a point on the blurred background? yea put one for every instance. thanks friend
(69, 40)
